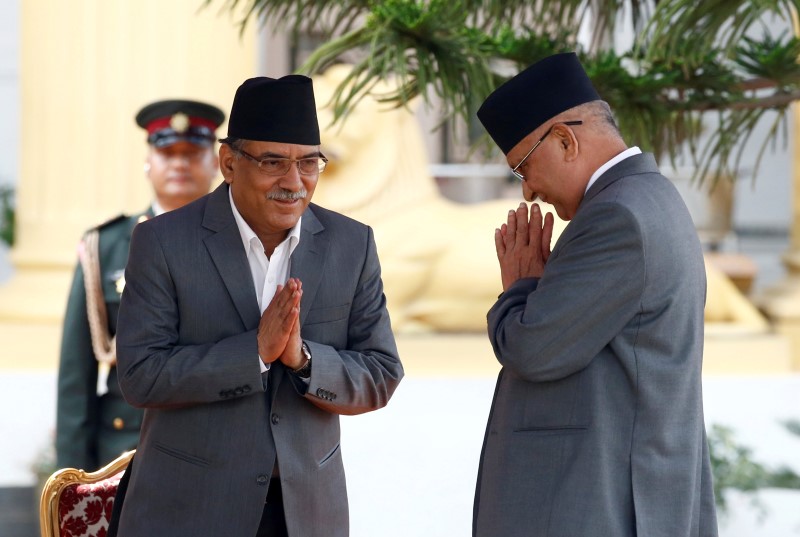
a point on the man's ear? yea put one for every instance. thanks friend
(226, 157)
(567, 140)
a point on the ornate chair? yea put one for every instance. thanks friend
(76, 503)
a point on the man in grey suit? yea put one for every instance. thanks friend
(251, 319)
(596, 427)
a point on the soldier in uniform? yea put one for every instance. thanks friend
(94, 424)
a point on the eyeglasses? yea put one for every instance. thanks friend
(521, 162)
(277, 166)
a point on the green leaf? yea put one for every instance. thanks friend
(690, 59)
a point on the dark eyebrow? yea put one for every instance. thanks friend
(269, 154)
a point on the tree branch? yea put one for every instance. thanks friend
(778, 100)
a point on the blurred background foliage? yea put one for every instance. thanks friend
(7, 214)
(686, 59)
(734, 468)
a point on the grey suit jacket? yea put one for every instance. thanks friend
(596, 426)
(214, 426)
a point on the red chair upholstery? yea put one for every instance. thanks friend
(76, 503)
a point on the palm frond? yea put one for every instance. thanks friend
(410, 43)
(690, 58)
(689, 29)
(325, 17)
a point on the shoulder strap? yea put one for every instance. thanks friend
(104, 346)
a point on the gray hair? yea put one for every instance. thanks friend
(237, 144)
(599, 114)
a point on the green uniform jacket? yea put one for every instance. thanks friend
(91, 430)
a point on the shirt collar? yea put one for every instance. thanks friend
(157, 208)
(631, 151)
(247, 234)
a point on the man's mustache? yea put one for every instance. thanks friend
(287, 195)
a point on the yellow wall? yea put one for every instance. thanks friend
(86, 68)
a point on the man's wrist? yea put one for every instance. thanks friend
(304, 371)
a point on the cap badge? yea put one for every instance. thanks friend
(179, 122)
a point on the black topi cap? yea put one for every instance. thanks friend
(275, 110)
(176, 120)
(535, 95)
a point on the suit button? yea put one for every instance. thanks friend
(118, 423)
(246, 388)
(320, 391)
(262, 480)
(223, 394)
(275, 419)
(239, 391)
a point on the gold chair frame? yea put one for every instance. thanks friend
(61, 479)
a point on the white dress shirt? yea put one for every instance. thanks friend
(157, 208)
(631, 151)
(267, 273)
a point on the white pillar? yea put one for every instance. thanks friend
(86, 68)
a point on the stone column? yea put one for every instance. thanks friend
(86, 68)
(781, 303)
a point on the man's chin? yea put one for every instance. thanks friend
(182, 196)
(562, 213)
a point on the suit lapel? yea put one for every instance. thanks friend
(308, 259)
(308, 265)
(226, 251)
(633, 165)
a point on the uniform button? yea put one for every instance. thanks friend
(246, 388)
(118, 423)
(239, 391)
(223, 394)
(275, 419)
(320, 391)
(262, 480)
